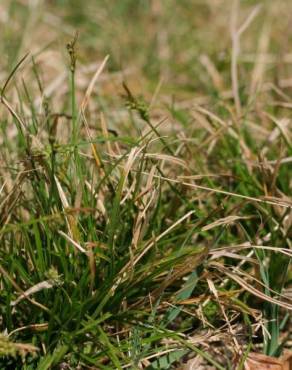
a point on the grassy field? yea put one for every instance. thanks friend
(145, 183)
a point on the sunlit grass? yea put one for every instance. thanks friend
(144, 184)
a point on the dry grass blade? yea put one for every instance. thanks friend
(12, 74)
(275, 201)
(235, 36)
(92, 84)
(84, 104)
(15, 285)
(231, 331)
(188, 266)
(47, 284)
(225, 221)
(73, 242)
(13, 113)
(287, 252)
(213, 72)
(282, 125)
(259, 66)
(168, 158)
(250, 288)
(152, 243)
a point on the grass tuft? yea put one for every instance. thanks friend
(145, 192)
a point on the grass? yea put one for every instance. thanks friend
(145, 183)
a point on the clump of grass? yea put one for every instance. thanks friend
(142, 231)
